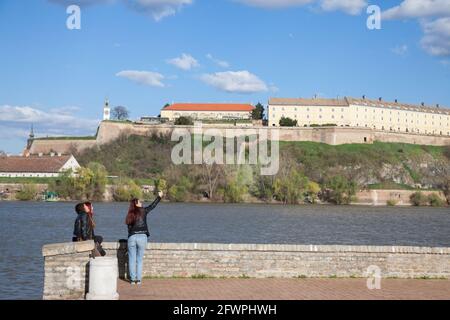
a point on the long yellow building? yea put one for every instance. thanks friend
(351, 112)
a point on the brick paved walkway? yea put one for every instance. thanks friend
(283, 289)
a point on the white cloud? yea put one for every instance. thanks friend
(434, 18)
(158, 9)
(185, 62)
(400, 50)
(352, 7)
(418, 9)
(81, 2)
(220, 63)
(147, 78)
(436, 40)
(15, 121)
(271, 4)
(235, 82)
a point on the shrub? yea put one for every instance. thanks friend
(391, 203)
(179, 192)
(288, 122)
(126, 191)
(184, 121)
(418, 199)
(233, 192)
(313, 190)
(342, 190)
(435, 201)
(28, 192)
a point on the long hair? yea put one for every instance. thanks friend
(90, 214)
(134, 212)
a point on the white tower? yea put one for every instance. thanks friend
(106, 111)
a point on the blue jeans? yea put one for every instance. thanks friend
(136, 249)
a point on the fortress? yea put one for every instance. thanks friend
(109, 131)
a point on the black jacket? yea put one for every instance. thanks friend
(140, 226)
(83, 230)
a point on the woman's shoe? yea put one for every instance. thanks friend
(138, 283)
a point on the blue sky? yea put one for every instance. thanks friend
(144, 53)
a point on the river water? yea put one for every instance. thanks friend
(25, 227)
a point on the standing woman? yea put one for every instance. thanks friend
(138, 236)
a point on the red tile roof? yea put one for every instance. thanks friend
(210, 107)
(44, 164)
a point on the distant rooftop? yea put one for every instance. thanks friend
(309, 102)
(44, 164)
(347, 101)
(210, 107)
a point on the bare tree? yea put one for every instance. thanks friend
(211, 175)
(120, 113)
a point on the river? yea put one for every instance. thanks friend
(25, 227)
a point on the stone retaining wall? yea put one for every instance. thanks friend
(400, 197)
(66, 264)
(110, 131)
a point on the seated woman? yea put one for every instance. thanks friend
(85, 225)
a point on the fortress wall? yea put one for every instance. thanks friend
(63, 146)
(67, 265)
(386, 136)
(110, 131)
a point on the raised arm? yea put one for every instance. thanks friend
(153, 205)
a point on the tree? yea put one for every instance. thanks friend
(446, 189)
(180, 191)
(120, 113)
(2, 153)
(127, 190)
(28, 192)
(290, 188)
(258, 112)
(435, 201)
(418, 199)
(98, 181)
(288, 122)
(184, 121)
(342, 190)
(210, 175)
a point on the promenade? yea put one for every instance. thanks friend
(284, 289)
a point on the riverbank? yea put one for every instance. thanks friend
(373, 197)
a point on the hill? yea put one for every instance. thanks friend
(352, 166)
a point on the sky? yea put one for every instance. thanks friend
(142, 54)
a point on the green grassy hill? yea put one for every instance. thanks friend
(380, 164)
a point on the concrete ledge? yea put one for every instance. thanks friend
(282, 248)
(67, 248)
